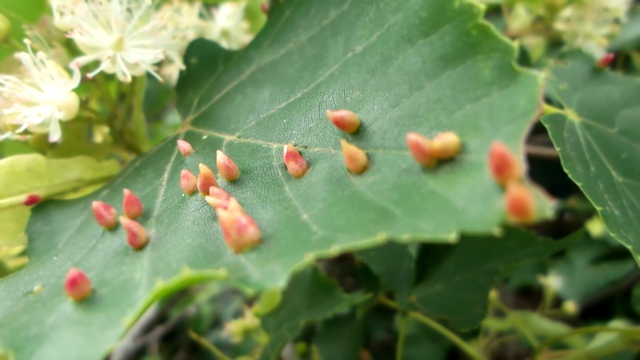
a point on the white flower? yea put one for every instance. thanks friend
(40, 98)
(125, 36)
(552, 281)
(183, 21)
(589, 24)
(227, 26)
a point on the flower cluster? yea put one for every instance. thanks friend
(126, 38)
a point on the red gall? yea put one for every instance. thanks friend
(105, 214)
(422, 149)
(344, 120)
(519, 203)
(218, 198)
(264, 7)
(503, 166)
(77, 285)
(605, 61)
(131, 205)
(447, 145)
(206, 179)
(188, 182)
(31, 199)
(137, 236)
(185, 148)
(295, 163)
(239, 230)
(227, 168)
(355, 159)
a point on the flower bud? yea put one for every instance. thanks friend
(206, 179)
(295, 163)
(31, 199)
(137, 236)
(422, 149)
(227, 168)
(447, 145)
(218, 198)
(355, 159)
(239, 230)
(131, 205)
(605, 61)
(188, 182)
(344, 120)
(105, 214)
(519, 203)
(570, 307)
(502, 164)
(77, 285)
(69, 105)
(185, 148)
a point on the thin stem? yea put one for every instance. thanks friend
(584, 330)
(521, 328)
(209, 346)
(466, 348)
(549, 109)
(401, 336)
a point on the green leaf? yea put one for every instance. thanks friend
(597, 137)
(339, 338)
(311, 296)
(543, 328)
(586, 269)
(457, 279)
(27, 174)
(20, 13)
(393, 264)
(402, 66)
(629, 36)
(422, 343)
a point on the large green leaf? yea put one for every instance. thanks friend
(456, 280)
(598, 138)
(416, 65)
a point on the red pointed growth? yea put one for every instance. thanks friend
(105, 214)
(188, 182)
(503, 166)
(240, 231)
(185, 148)
(295, 163)
(77, 285)
(227, 168)
(137, 236)
(206, 179)
(131, 205)
(421, 149)
(344, 120)
(519, 203)
(31, 200)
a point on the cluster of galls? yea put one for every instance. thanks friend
(77, 285)
(239, 230)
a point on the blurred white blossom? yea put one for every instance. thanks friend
(590, 24)
(39, 97)
(227, 25)
(127, 37)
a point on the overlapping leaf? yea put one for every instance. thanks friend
(598, 138)
(415, 65)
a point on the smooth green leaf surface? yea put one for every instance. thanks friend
(339, 338)
(394, 265)
(426, 66)
(311, 296)
(457, 279)
(598, 138)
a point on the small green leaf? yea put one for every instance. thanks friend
(339, 338)
(393, 264)
(598, 138)
(311, 296)
(457, 279)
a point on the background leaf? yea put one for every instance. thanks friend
(597, 136)
(20, 13)
(403, 66)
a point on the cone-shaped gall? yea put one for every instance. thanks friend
(131, 205)
(137, 236)
(295, 163)
(503, 166)
(206, 179)
(188, 182)
(239, 230)
(185, 148)
(218, 198)
(344, 120)
(227, 168)
(105, 214)
(77, 285)
(519, 203)
(355, 159)
(447, 145)
(422, 149)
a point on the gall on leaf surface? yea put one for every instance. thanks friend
(423, 66)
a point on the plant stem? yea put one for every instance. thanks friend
(401, 336)
(466, 348)
(584, 330)
(549, 109)
(209, 346)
